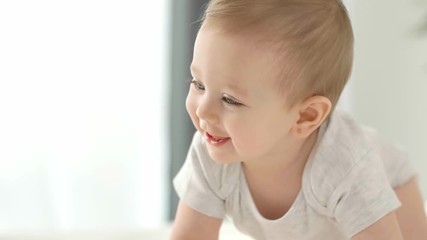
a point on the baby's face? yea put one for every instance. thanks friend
(231, 100)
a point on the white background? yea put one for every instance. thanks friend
(83, 99)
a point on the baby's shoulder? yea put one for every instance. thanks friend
(342, 145)
(345, 153)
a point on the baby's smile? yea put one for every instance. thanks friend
(216, 141)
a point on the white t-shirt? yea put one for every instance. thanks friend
(347, 186)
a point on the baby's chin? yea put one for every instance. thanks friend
(224, 162)
(222, 158)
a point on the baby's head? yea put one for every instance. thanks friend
(312, 40)
(266, 74)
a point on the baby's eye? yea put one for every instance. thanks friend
(231, 101)
(198, 85)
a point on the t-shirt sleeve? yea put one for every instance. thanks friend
(397, 165)
(364, 196)
(396, 162)
(196, 182)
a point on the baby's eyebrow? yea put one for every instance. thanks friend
(193, 69)
(238, 90)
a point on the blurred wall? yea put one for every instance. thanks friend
(184, 22)
(390, 74)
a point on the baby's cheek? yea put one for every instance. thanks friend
(248, 144)
(191, 106)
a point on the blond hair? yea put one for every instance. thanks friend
(314, 37)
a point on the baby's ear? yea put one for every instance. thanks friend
(312, 112)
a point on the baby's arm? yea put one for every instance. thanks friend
(191, 225)
(387, 228)
(411, 215)
(409, 220)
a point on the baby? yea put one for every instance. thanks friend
(272, 153)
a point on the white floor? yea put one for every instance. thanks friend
(228, 232)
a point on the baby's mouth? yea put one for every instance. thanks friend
(215, 140)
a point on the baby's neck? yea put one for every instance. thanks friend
(274, 187)
(292, 163)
